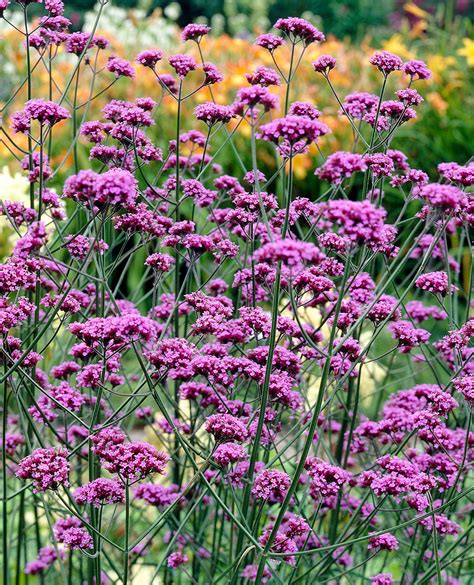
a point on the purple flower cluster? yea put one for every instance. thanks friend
(295, 130)
(44, 112)
(386, 62)
(326, 479)
(114, 187)
(435, 282)
(71, 532)
(47, 468)
(166, 312)
(340, 165)
(131, 461)
(225, 427)
(299, 29)
(99, 492)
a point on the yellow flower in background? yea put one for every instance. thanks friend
(439, 65)
(415, 10)
(467, 51)
(419, 27)
(395, 44)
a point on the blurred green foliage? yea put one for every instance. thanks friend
(350, 17)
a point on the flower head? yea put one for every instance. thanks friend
(212, 113)
(120, 67)
(416, 69)
(386, 62)
(226, 427)
(47, 468)
(149, 58)
(269, 41)
(271, 485)
(324, 64)
(182, 64)
(293, 129)
(195, 32)
(435, 282)
(299, 29)
(45, 112)
(99, 492)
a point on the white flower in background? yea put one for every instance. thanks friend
(172, 11)
(134, 27)
(13, 188)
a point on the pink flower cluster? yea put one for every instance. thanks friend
(165, 312)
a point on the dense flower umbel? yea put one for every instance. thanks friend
(47, 468)
(201, 365)
(131, 461)
(386, 62)
(293, 129)
(271, 485)
(435, 282)
(99, 492)
(299, 29)
(71, 532)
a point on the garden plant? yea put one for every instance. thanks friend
(286, 394)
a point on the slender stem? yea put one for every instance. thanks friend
(127, 534)
(5, 528)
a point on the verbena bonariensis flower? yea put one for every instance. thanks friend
(46, 557)
(299, 29)
(156, 494)
(271, 485)
(120, 67)
(416, 69)
(435, 282)
(226, 427)
(386, 62)
(293, 129)
(212, 74)
(326, 479)
(269, 41)
(99, 492)
(383, 542)
(47, 468)
(359, 104)
(382, 579)
(177, 300)
(131, 461)
(44, 112)
(229, 453)
(176, 559)
(340, 165)
(150, 57)
(72, 534)
(182, 64)
(211, 113)
(456, 173)
(263, 76)
(324, 64)
(195, 32)
(251, 97)
(114, 187)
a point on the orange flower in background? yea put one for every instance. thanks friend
(238, 56)
(437, 102)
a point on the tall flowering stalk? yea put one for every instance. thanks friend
(290, 399)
